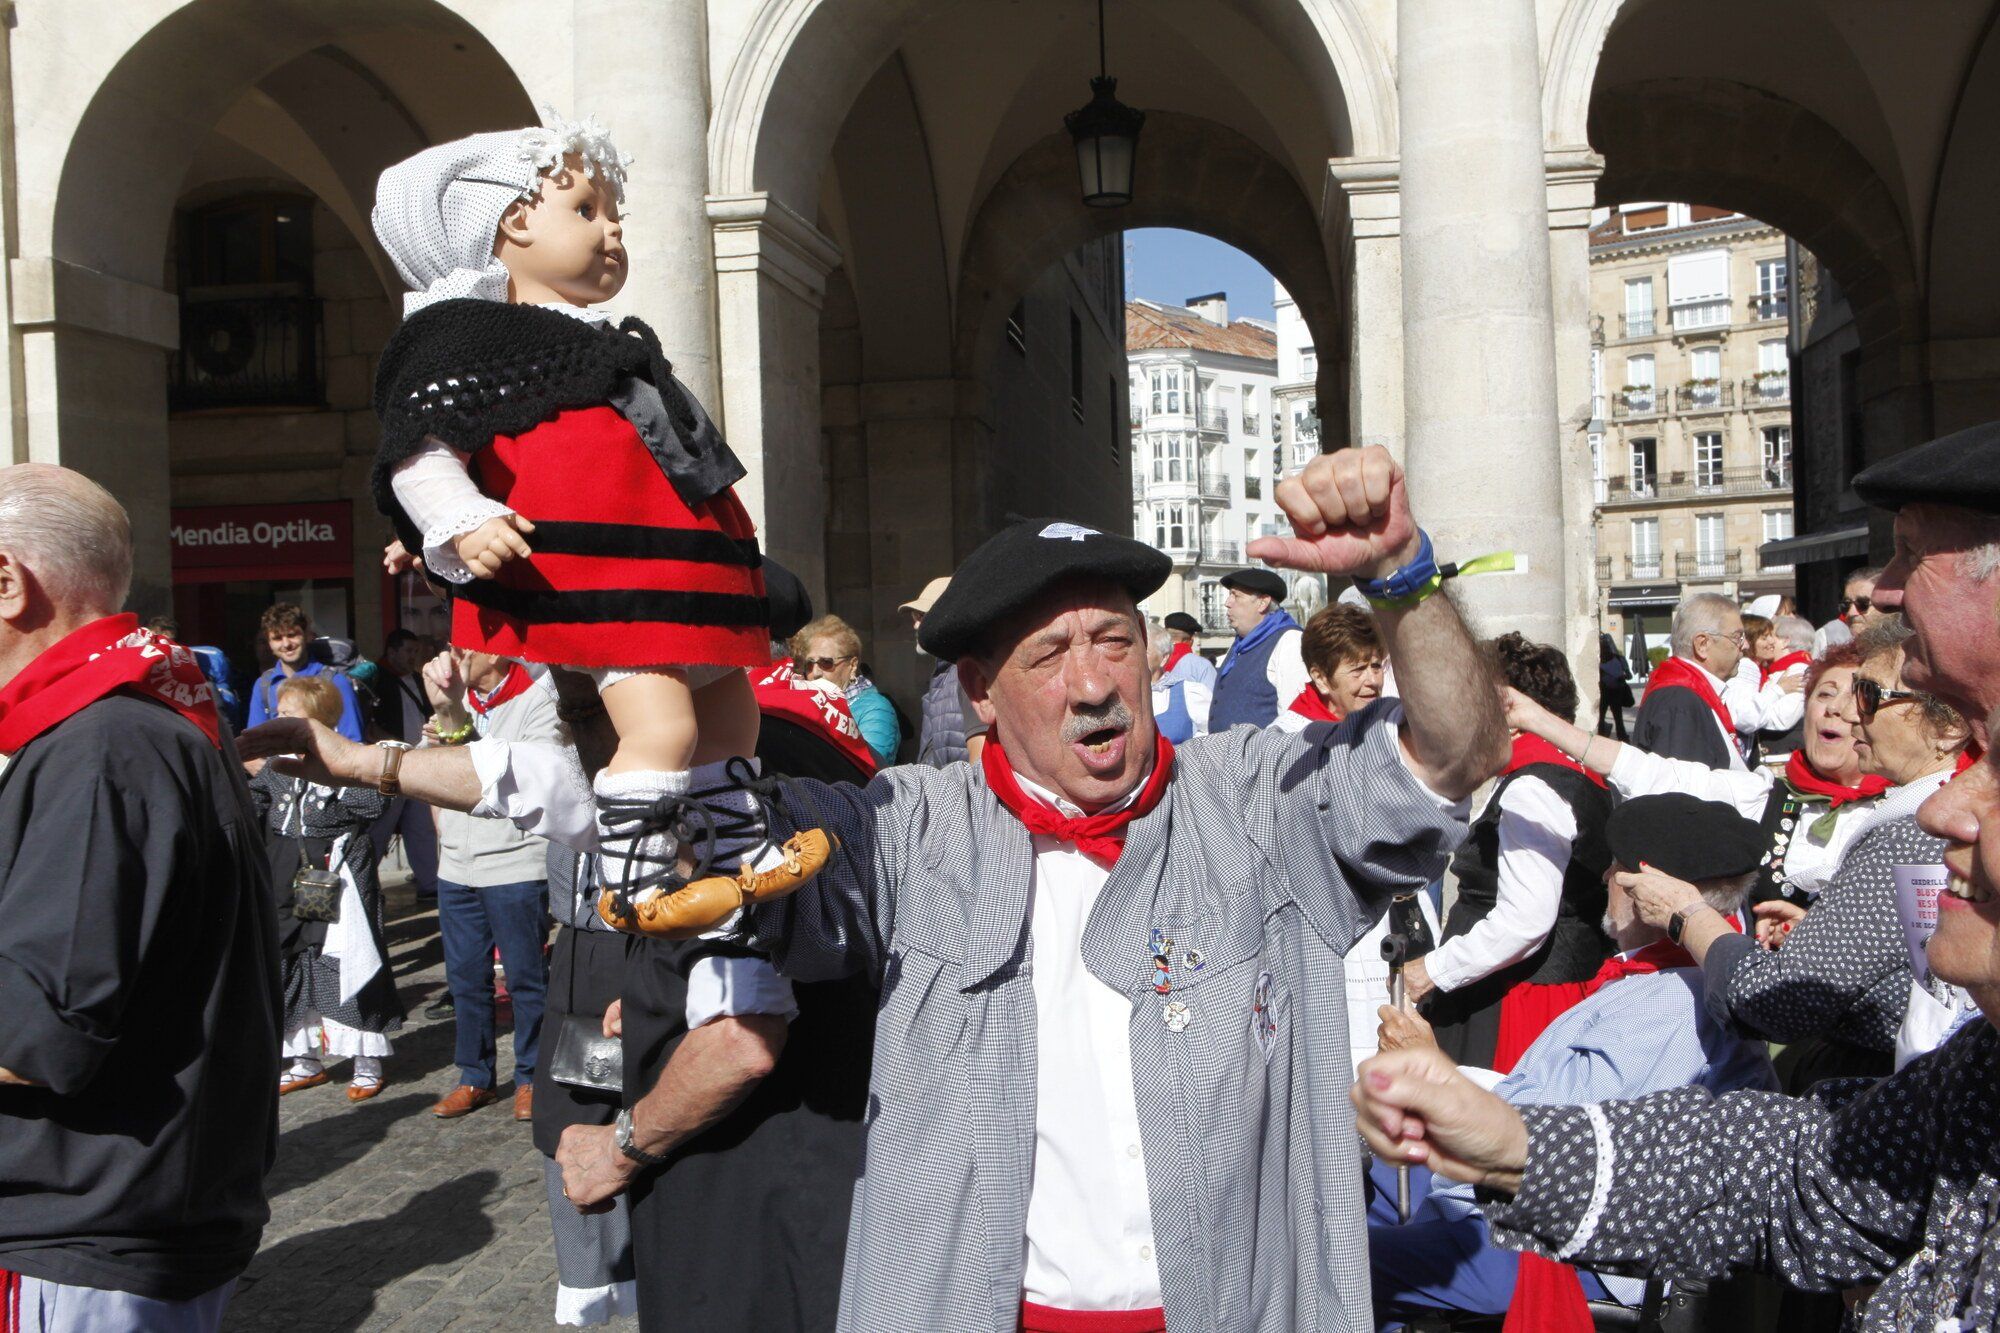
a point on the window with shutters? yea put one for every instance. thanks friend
(1708, 460)
(1638, 307)
(1644, 465)
(1778, 457)
(1645, 548)
(1709, 554)
(250, 325)
(1698, 289)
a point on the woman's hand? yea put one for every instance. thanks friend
(1403, 1029)
(614, 1020)
(1417, 981)
(1656, 897)
(1775, 920)
(1525, 715)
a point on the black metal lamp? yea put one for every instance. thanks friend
(1107, 136)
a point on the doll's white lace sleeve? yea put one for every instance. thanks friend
(438, 494)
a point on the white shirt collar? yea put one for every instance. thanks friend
(1069, 809)
(589, 314)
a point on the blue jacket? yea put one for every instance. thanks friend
(877, 718)
(264, 698)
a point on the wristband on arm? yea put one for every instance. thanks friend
(1407, 587)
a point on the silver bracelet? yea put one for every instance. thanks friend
(1582, 760)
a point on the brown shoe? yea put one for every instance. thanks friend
(361, 1092)
(463, 1100)
(524, 1102)
(706, 903)
(301, 1084)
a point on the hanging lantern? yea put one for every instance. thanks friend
(1106, 132)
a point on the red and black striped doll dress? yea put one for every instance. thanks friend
(642, 554)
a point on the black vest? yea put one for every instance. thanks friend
(1577, 945)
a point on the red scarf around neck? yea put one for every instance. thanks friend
(1782, 665)
(1100, 836)
(1548, 1296)
(1310, 706)
(1534, 750)
(514, 685)
(1805, 780)
(1174, 655)
(1680, 671)
(102, 658)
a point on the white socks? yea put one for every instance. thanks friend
(367, 1071)
(303, 1066)
(626, 851)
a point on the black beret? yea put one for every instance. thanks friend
(1962, 469)
(1014, 567)
(1261, 582)
(1684, 836)
(1183, 622)
(791, 604)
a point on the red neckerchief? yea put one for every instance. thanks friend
(102, 658)
(783, 693)
(1100, 836)
(1174, 655)
(516, 683)
(1313, 708)
(1679, 671)
(1785, 663)
(1534, 750)
(1806, 781)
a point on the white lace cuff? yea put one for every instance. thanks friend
(440, 556)
(1600, 1185)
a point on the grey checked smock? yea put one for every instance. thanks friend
(1269, 856)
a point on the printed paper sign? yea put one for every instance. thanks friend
(1917, 889)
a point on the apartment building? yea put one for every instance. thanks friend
(1691, 429)
(1205, 457)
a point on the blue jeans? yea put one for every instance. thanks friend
(472, 921)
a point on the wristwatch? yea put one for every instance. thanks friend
(390, 783)
(621, 1134)
(1678, 921)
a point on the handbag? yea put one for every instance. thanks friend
(584, 1057)
(315, 892)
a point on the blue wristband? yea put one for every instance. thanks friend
(1412, 579)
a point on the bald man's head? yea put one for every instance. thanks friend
(70, 534)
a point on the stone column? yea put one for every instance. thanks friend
(1371, 202)
(771, 267)
(1479, 382)
(642, 69)
(1572, 191)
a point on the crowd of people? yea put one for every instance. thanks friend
(1076, 1022)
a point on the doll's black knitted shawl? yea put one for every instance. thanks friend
(468, 370)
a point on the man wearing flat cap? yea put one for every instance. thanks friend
(1183, 663)
(1111, 1061)
(1643, 1028)
(1266, 666)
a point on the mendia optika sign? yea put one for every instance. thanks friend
(227, 543)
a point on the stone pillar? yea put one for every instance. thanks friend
(1371, 202)
(1479, 383)
(1572, 191)
(771, 267)
(641, 67)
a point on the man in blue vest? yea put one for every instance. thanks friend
(1265, 669)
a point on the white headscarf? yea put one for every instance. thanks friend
(437, 213)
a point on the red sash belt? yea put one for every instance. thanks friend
(1044, 1319)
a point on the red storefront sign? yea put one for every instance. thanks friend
(234, 543)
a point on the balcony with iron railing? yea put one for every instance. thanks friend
(1691, 565)
(1768, 389)
(1252, 424)
(1643, 567)
(1702, 484)
(1215, 551)
(1638, 401)
(1638, 324)
(1604, 569)
(1770, 306)
(1214, 486)
(1213, 420)
(255, 351)
(1715, 396)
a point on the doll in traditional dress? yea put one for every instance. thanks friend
(548, 466)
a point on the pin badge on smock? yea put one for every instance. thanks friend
(1176, 1016)
(1263, 1017)
(1162, 950)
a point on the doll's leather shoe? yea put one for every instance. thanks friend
(706, 903)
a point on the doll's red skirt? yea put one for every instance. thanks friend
(624, 574)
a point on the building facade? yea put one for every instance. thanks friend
(1691, 425)
(1202, 452)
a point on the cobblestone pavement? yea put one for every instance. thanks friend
(385, 1217)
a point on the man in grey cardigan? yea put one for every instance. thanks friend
(1111, 1054)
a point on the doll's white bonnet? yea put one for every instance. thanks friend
(436, 214)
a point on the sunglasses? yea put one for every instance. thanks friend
(1858, 603)
(824, 663)
(1869, 696)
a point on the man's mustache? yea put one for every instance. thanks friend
(1083, 721)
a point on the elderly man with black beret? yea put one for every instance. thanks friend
(1266, 666)
(1183, 662)
(1111, 1057)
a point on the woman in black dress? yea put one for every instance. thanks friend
(340, 993)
